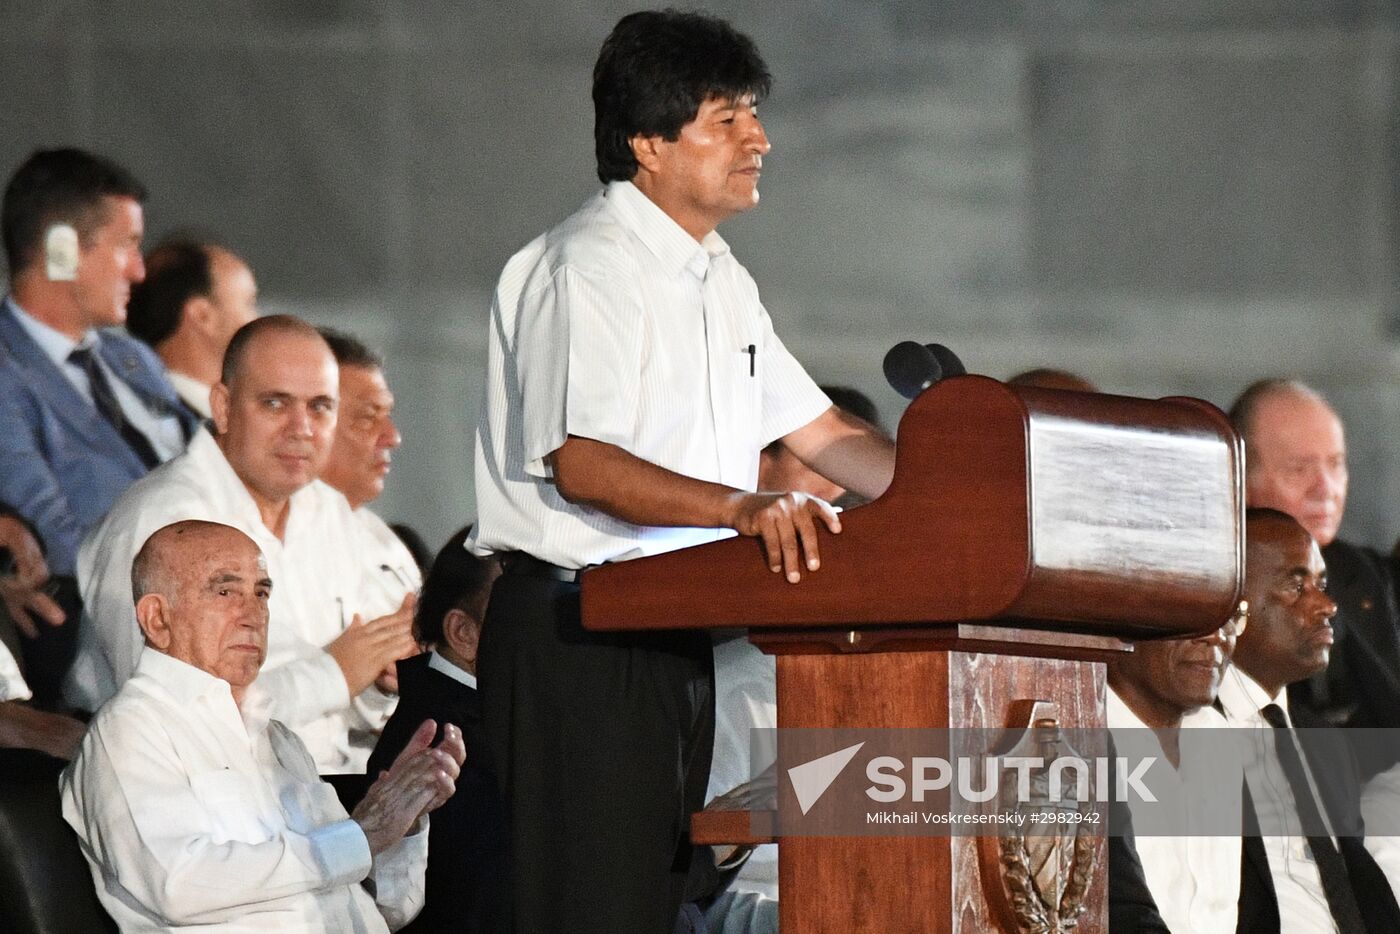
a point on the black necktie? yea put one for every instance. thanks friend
(1336, 882)
(107, 404)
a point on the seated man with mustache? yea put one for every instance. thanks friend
(194, 809)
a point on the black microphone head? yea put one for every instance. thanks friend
(911, 368)
(948, 360)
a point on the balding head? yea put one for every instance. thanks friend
(1295, 454)
(275, 410)
(258, 330)
(201, 592)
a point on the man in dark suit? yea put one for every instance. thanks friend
(466, 877)
(84, 411)
(1297, 463)
(1305, 866)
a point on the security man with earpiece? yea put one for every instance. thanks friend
(85, 410)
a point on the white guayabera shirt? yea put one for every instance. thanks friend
(620, 327)
(192, 813)
(1194, 878)
(324, 570)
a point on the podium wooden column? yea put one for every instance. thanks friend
(1027, 535)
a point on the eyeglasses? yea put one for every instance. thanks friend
(1235, 626)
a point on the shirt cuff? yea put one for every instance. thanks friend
(342, 850)
(399, 882)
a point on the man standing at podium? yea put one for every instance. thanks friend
(634, 376)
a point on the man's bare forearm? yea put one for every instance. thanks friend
(607, 478)
(848, 451)
(604, 477)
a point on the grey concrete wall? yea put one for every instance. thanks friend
(1168, 197)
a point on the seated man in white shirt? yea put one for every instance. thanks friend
(1305, 868)
(1159, 704)
(274, 414)
(365, 439)
(195, 296)
(194, 809)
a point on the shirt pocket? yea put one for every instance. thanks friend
(746, 389)
(231, 807)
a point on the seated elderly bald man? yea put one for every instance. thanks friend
(195, 810)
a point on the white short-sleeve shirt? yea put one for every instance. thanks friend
(620, 327)
(1194, 878)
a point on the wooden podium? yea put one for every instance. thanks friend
(1026, 536)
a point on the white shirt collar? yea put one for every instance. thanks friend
(660, 233)
(194, 392)
(1243, 697)
(441, 665)
(1119, 715)
(54, 343)
(187, 684)
(205, 451)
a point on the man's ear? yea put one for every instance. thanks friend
(462, 632)
(199, 311)
(219, 406)
(647, 151)
(153, 615)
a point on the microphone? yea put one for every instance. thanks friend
(911, 368)
(948, 360)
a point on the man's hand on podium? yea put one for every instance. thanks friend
(787, 523)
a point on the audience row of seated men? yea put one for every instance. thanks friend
(1260, 671)
(88, 412)
(342, 613)
(1287, 874)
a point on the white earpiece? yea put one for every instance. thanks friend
(61, 253)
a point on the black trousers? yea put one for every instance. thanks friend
(602, 745)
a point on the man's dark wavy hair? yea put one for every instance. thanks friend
(178, 270)
(458, 580)
(655, 70)
(57, 186)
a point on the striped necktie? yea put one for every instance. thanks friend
(106, 401)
